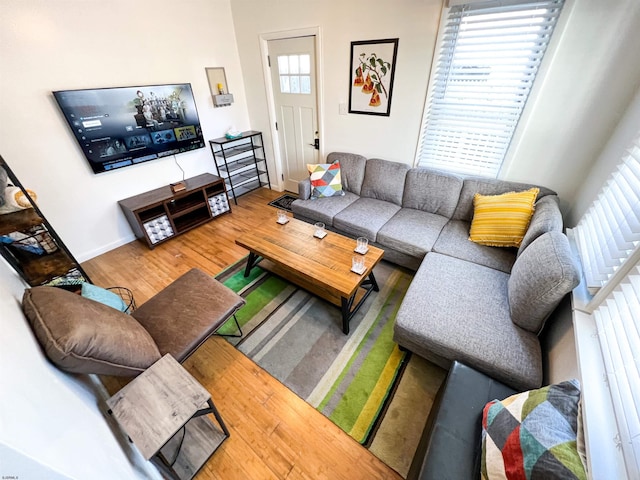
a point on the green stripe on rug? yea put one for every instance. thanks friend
(363, 399)
(297, 338)
(257, 298)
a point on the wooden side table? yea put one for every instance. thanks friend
(164, 411)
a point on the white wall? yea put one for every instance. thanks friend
(625, 133)
(70, 44)
(52, 424)
(592, 77)
(414, 22)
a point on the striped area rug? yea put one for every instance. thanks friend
(298, 339)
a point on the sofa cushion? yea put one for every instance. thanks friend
(546, 218)
(364, 217)
(352, 170)
(488, 186)
(533, 435)
(502, 220)
(323, 209)
(83, 336)
(458, 310)
(325, 179)
(184, 314)
(544, 273)
(431, 191)
(454, 241)
(384, 180)
(412, 232)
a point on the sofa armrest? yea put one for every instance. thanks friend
(304, 189)
(451, 443)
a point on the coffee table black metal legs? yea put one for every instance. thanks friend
(251, 262)
(348, 310)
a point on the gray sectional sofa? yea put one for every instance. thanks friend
(483, 306)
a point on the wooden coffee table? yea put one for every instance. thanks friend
(321, 266)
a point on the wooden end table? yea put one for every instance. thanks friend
(163, 411)
(321, 266)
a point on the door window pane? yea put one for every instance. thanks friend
(305, 64)
(295, 84)
(283, 64)
(294, 64)
(289, 67)
(284, 84)
(305, 84)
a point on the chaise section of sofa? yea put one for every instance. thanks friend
(458, 310)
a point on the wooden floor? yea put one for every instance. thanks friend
(274, 434)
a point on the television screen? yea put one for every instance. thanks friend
(118, 127)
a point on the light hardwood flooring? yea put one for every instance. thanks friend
(274, 433)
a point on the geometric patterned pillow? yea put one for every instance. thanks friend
(502, 220)
(326, 180)
(532, 435)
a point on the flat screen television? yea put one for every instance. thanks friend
(118, 127)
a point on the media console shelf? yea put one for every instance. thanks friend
(160, 214)
(241, 162)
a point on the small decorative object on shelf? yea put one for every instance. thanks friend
(241, 162)
(178, 187)
(161, 214)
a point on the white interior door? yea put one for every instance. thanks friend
(293, 75)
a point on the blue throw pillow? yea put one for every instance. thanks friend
(102, 295)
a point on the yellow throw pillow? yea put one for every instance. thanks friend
(502, 220)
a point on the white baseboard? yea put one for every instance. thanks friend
(83, 257)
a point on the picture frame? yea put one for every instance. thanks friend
(372, 70)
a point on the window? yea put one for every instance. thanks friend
(295, 73)
(489, 57)
(608, 241)
(609, 232)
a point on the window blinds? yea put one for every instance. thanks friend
(488, 59)
(609, 232)
(608, 242)
(618, 321)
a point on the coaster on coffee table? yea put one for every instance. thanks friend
(360, 271)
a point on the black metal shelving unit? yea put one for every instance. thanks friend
(241, 162)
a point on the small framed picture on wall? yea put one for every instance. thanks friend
(373, 66)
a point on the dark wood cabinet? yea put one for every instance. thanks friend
(160, 214)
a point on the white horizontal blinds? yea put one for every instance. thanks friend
(609, 232)
(618, 320)
(488, 59)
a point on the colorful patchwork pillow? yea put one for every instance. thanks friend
(532, 435)
(326, 180)
(502, 220)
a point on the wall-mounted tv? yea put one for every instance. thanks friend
(118, 127)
